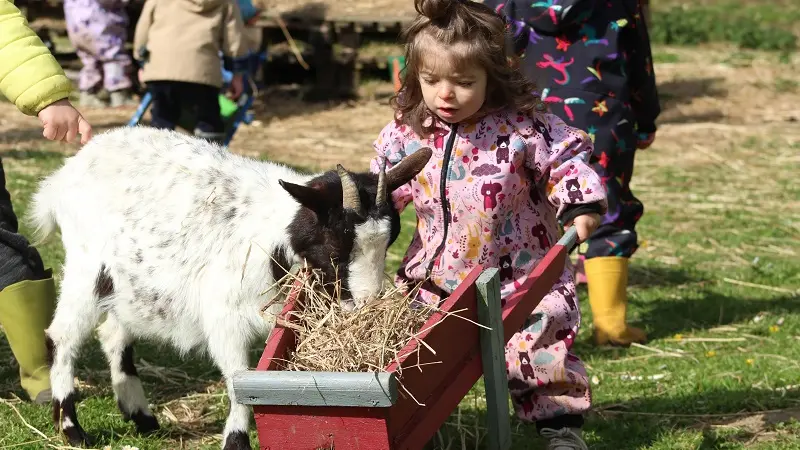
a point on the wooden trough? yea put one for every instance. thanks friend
(370, 411)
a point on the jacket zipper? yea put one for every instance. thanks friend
(448, 150)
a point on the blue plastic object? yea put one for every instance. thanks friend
(248, 10)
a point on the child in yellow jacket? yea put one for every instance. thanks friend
(32, 79)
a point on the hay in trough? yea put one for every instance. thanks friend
(333, 339)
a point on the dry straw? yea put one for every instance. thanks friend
(332, 339)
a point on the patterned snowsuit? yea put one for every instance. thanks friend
(491, 195)
(98, 29)
(592, 62)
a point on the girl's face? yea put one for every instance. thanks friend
(453, 95)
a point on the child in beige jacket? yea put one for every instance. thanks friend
(178, 43)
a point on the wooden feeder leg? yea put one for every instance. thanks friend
(494, 361)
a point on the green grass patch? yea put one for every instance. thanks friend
(661, 57)
(715, 285)
(751, 26)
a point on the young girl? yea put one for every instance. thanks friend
(32, 79)
(503, 173)
(593, 63)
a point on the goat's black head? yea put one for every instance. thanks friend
(347, 221)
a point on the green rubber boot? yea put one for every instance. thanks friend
(26, 309)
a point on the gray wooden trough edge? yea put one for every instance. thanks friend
(294, 388)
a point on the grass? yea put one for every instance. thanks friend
(764, 27)
(716, 285)
(707, 229)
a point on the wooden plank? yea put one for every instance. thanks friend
(493, 360)
(397, 20)
(313, 428)
(356, 389)
(426, 374)
(281, 338)
(569, 239)
(441, 404)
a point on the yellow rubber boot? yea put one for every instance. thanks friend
(26, 309)
(607, 280)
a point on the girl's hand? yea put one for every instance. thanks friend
(62, 122)
(585, 225)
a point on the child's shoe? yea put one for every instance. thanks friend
(607, 279)
(564, 439)
(122, 97)
(26, 309)
(91, 100)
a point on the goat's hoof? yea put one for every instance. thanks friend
(76, 436)
(237, 440)
(145, 424)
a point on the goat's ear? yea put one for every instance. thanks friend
(309, 197)
(408, 168)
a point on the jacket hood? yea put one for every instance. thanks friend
(551, 16)
(199, 6)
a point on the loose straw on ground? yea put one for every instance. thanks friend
(24, 422)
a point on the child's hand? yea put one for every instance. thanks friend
(237, 86)
(62, 122)
(644, 140)
(585, 225)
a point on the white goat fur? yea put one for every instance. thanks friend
(155, 210)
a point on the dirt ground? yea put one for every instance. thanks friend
(712, 98)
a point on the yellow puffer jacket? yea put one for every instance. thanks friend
(30, 76)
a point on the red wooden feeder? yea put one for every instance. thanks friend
(314, 410)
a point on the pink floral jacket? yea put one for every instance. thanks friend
(481, 198)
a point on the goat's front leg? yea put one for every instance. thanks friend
(75, 317)
(131, 399)
(227, 345)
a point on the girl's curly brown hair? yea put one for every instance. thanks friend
(471, 33)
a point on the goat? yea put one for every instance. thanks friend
(176, 239)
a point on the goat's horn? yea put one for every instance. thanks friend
(380, 200)
(350, 199)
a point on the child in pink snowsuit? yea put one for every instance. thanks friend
(99, 29)
(503, 173)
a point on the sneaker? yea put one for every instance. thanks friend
(122, 98)
(91, 100)
(564, 439)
